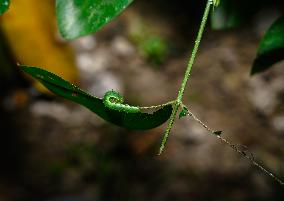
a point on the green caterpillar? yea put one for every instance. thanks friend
(110, 108)
(114, 101)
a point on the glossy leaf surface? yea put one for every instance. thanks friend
(138, 120)
(271, 48)
(77, 18)
(4, 5)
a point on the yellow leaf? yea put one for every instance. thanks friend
(30, 29)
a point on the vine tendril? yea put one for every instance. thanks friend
(239, 148)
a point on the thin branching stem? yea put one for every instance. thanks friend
(178, 100)
(239, 149)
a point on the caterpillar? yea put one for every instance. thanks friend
(113, 100)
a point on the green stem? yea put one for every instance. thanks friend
(178, 100)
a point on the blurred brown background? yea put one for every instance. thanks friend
(54, 150)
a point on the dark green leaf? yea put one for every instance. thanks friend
(77, 18)
(233, 13)
(226, 16)
(138, 120)
(4, 5)
(271, 48)
(183, 113)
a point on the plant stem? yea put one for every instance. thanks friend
(178, 100)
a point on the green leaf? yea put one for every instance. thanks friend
(183, 113)
(4, 5)
(271, 48)
(233, 13)
(121, 117)
(77, 18)
(226, 16)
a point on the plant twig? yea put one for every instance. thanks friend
(178, 100)
(246, 154)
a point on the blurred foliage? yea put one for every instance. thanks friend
(152, 47)
(121, 174)
(89, 158)
(111, 170)
(226, 15)
(30, 29)
(6, 63)
(4, 5)
(76, 18)
(232, 13)
(271, 48)
(149, 42)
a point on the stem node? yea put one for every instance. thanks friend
(178, 100)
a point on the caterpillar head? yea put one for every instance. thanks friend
(113, 97)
